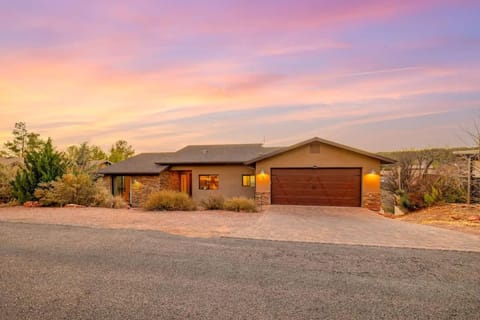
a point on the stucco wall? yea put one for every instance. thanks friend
(230, 180)
(328, 157)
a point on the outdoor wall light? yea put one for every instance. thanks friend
(262, 172)
(373, 171)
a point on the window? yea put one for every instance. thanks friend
(248, 180)
(119, 185)
(208, 182)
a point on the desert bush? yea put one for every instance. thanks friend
(77, 189)
(445, 187)
(102, 197)
(69, 188)
(213, 202)
(166, 200)
(240, 204)
(117, 202)
(7, 175)
(11, 203)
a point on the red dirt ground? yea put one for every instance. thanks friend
(460, 217)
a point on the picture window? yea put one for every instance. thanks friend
(208, 182)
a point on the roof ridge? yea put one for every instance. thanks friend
(223, 144)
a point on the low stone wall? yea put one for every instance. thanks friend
(372, 201)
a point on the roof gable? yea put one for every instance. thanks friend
(383, 160)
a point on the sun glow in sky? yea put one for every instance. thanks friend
(378, 75)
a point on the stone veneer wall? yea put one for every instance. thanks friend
(372, 201)
(107, 181)
(262, 199)
(143, 186)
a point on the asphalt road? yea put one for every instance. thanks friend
(57, 272)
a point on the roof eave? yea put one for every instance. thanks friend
(199, 163)
(130, 173)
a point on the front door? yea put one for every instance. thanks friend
(186, 182)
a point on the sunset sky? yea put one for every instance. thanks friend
(377, 75)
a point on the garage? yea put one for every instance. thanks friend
(316, 186)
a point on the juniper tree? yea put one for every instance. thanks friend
(43, 165)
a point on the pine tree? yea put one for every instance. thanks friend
(23, 141)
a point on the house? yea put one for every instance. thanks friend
(312, 172)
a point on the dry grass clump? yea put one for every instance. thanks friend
(214, 202)
(240, 204)
(166, 200)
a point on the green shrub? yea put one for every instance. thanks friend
(42, 166)
(432, 197)
(240, 204)
(412, 201)
(166, 200)
(213, 202)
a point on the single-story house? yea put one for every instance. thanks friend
(312, 172)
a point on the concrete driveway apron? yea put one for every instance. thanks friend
(357, 226)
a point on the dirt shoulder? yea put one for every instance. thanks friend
(205, 224)
(459, 217)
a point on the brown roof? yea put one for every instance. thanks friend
(383, 160)
(216, 154)
(154, 163)
(144, 163)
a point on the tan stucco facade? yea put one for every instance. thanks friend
(328, 157)
(310, 155)
(230, 180)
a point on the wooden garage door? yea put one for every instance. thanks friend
(318, 187)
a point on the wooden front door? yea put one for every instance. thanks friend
(186, 182)
(126, 189)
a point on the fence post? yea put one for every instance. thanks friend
(469, 180)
